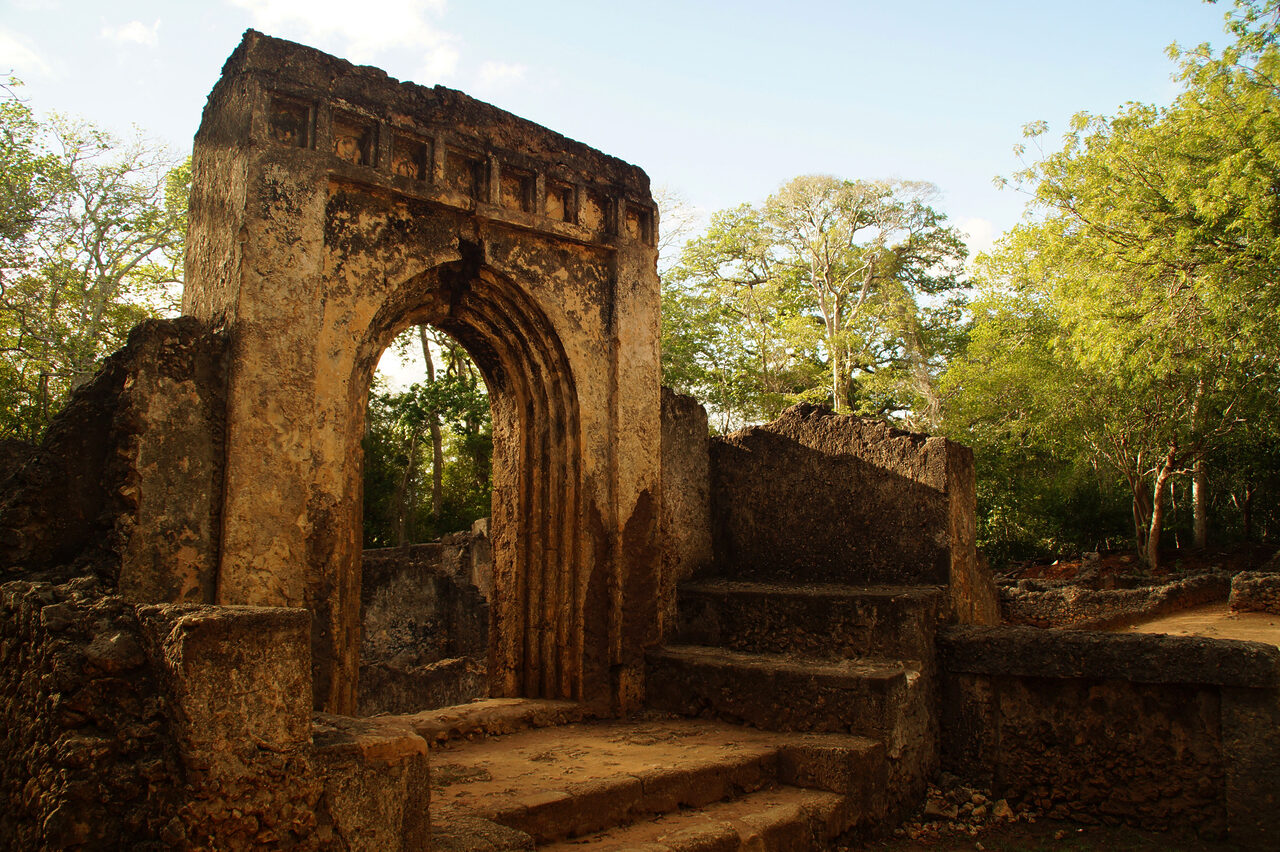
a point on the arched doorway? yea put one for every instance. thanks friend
(330, 208)
(537, 516)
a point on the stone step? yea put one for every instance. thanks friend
(576, 779)
(819, 620)
(787, 819)
(859, 696)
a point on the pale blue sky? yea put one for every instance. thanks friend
(720, 101)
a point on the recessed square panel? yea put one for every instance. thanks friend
(353, 139)
(463, 174)
(595, 211)
(410, 157)
(517, 189)
(559, 201)
(289, 122)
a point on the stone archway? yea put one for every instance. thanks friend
(537, 511)
(332, 207)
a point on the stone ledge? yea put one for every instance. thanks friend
(1146, 658)
(1255, 591)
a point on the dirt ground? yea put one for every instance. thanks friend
(1215, 621)
(1054, 836)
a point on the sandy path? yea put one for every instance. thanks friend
(1216, 621)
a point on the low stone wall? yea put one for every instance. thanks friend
(425, 626)
(181, 726)
(98, 497)
(820, 497)
(1149, 730)
(1253, 591)
(87, 755)
(1042, 604)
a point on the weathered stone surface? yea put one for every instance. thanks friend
(1141, 658)
(1146, 729)
(237, 681)
(1251, 757)
(816, 620)
(86, 754)
(157, 727)
(1147, 754)
(492, 717)
(376, 783)
(1254, 591)
(863, 697)
(556, 783)
(332, 207)
(819, 497)
(425, 628)
(1039, 605)
(128, 477)
(686, 497)
(238, 674)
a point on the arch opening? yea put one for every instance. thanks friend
(533, 583)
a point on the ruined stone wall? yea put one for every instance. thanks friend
(130, 726)
(1043, 604)
(87, 755)
(1254, 591)
(127, 481)
(819, 497)
(425, 626)
(686, 497)
(1149, 730)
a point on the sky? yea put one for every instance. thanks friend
(720, 102)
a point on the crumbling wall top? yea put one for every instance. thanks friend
(433, 143)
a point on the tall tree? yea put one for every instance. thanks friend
(451, 407)
(827, 276)
(1153, 274)
(93, 231)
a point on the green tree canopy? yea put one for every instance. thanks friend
(91, 242)
(1133, 325)
(831, 289)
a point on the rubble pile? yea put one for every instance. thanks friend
(953, 809)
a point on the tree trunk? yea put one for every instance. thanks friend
(437, 439)
(404, 494)
(1200, 503)
(1163, 473)
(1141, 514)
(837, 368)
(1246, 513)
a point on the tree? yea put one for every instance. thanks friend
(93, 234)
(1152, 277)
(828, 276)
(452, 408)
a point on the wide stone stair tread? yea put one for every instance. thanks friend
(783, 818)
(815, 619)
(553, 783)
(778, 692)
(858, 668)
(821, 589)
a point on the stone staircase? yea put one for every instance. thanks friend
(782, 717)
(854, 660)
(657, 783)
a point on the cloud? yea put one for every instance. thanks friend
(19, 55)
(134, 32)
(980, 233)
(365, 30)
(495, 74)
(440, 64)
